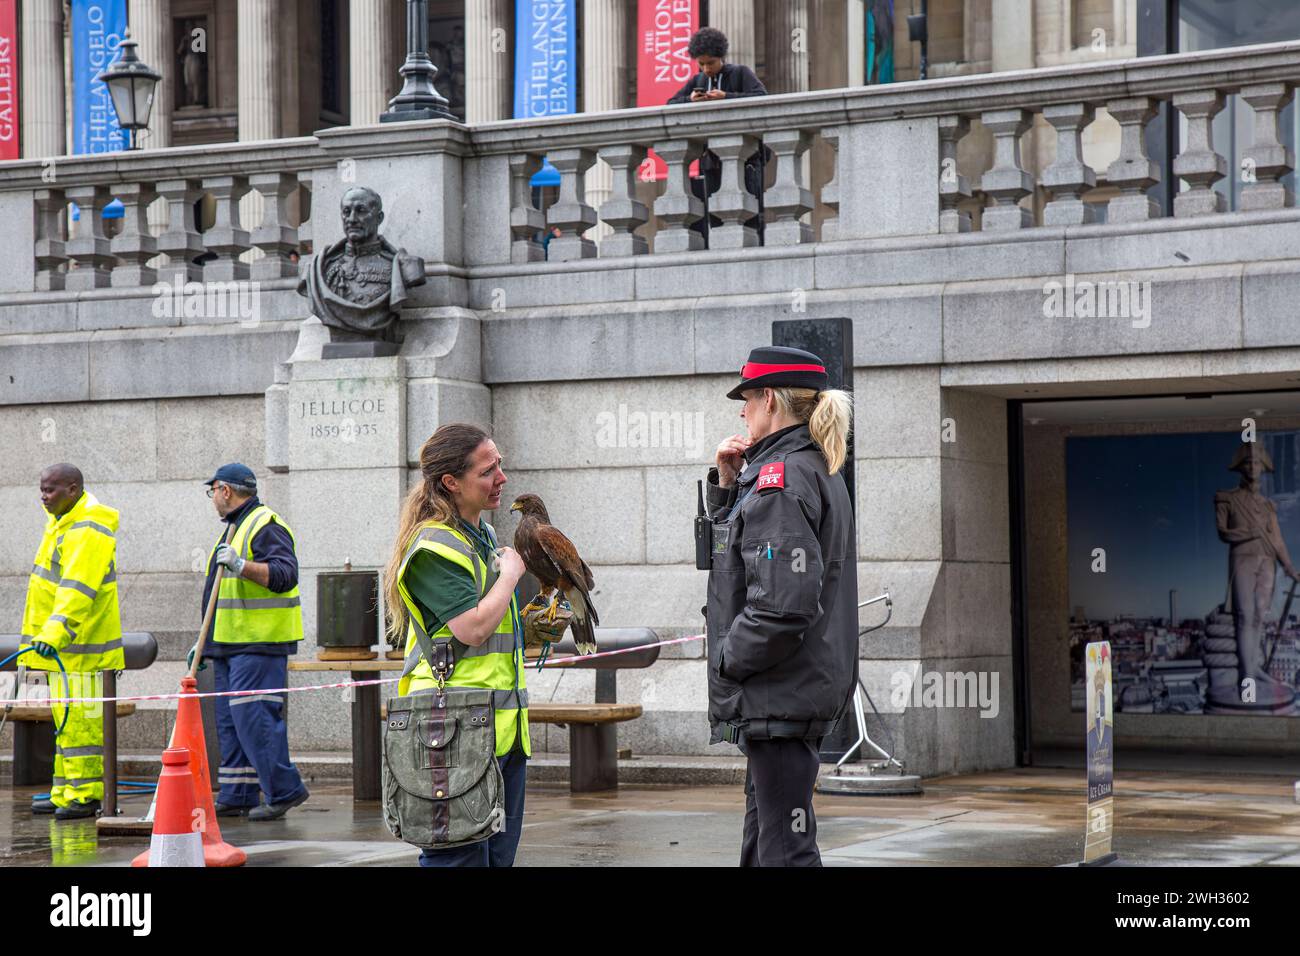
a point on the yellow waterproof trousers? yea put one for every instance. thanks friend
(79, 750)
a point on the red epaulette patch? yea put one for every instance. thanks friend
(771, 476)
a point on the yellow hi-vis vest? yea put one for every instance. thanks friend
(496, 664)
(248, 613)
(72, 591)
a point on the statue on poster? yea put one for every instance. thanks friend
(1247, 522)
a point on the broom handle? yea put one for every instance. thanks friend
(211, 610)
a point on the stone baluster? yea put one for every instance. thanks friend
(622, 212)
(302, 202)
(275, 237)
(227, 237)
(570, 212)
(526, 220)
(1007, 182)
(789, 200)
(831, 191)
(51, 214)
(1266, 161)
(1132, 173)
(91, 261)
(1199, 163)
(135, 245)
(678, 208)
(1067, 179)
(180, 241)
(954, 188)
(732, 203)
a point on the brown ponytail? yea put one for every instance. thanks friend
(447, 452)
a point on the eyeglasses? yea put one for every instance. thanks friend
(212, 489)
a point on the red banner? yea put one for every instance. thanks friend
(9, 79)
(664, 29)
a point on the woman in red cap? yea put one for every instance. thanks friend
(782, 615)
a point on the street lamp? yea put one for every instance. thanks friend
(131, 85)
(418, 100)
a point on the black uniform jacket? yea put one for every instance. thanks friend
(782, 614)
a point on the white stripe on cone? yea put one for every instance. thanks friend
(176, 849)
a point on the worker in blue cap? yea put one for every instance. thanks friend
(257, 625)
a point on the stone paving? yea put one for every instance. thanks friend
(1026, 817)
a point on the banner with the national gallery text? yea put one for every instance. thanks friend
(97, 30)
(9, 146)
(663, 62)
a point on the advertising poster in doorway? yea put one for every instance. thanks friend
(1100, 737)
(1181, 557)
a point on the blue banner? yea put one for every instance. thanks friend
(546, 58)
(97, 28)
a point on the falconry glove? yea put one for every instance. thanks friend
(539, 629)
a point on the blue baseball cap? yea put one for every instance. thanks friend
(234, 474)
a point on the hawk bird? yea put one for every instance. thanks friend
(554, 561)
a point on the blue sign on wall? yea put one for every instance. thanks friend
(546, 58)
(97, 28)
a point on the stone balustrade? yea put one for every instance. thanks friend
(897, 171)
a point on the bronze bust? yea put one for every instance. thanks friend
(357, 286)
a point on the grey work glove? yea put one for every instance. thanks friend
(227, 556)
(43, 649)
(189, 659)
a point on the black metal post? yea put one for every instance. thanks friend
(110, 744)
(832, 340)
(419, 99)
(367, 742)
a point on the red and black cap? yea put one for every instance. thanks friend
(774, 366)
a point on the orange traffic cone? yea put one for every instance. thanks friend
(176, 840)
(188, 733)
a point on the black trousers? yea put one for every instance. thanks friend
(780, 828)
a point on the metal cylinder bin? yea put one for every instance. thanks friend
(347, 625)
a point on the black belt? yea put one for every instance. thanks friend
(765, 729)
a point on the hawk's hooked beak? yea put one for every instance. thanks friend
(516, 507)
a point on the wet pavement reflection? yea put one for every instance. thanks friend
(1030, 817)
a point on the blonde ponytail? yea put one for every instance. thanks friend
(829, 416)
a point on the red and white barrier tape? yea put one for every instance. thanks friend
(558, 662)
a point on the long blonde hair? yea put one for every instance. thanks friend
(447, 452)
(829, 416)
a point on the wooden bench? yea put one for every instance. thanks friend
(34, 731)
(34, 741)
(593, 740)
(593, 749)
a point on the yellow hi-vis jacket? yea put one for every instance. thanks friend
(496, 664)
(248, 613)
(72, 592)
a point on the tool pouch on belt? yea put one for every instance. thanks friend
(441, 781)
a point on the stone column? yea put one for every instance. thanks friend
(856, 48)
(489, 35)
(43, 110)
(371, 63)
(735, 18)
(604, 84)
(259, 70)
(788, 45)
(1013, 35)
(151, 27)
